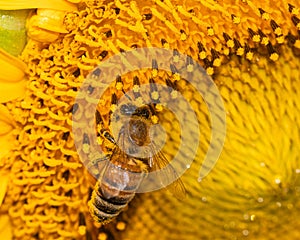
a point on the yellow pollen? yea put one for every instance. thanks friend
(274, 56)
(278, 31)
(154, 72)
(174, 94)
(210, 32)
(154, 119)
(176, 76)
(226, 51)
(86, 148)
(295, 11)
(297, 43)
(240, 51)
(256, 38)
(183, 37)
(236, 20)
(99, 140)
(230, 43)
(265, 16)
(119, 86)
(113, 107)
(82, 230)
(166, 45)
(139, 101)
(190, 68)
(159, 107)
(50, 187)
(176, 58)
(265, 41)
(249, 55)
(280, 39)
(121, 226)
(102, 236)
(202, 55)
(155, 95)
(217, 62)
(210, 71)
(136, 88)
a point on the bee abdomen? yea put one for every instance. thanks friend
(104, 209)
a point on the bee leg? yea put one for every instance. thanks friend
(106, 134)
(96, 159)
(150, 162)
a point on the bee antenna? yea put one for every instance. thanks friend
(126, 95)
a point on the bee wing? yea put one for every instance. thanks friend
(159, 161)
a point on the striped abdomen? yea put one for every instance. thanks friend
(113, 192)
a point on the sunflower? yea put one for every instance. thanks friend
(251, 51)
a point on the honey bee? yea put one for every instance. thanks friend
(124, 171)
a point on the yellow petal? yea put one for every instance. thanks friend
(5, 228)
(12, 81)
(12, 68)
(3, 187)
(24, 4)
(12, 90)
(6, 137)
(5, 116)
(41, 35)
(5, 128)
(48, 19)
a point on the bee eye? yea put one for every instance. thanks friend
(143, 112)
(127, 109)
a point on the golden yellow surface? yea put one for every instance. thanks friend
(251, 51)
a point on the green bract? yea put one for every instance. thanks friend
(13, 31)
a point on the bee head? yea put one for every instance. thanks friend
(132, 110)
